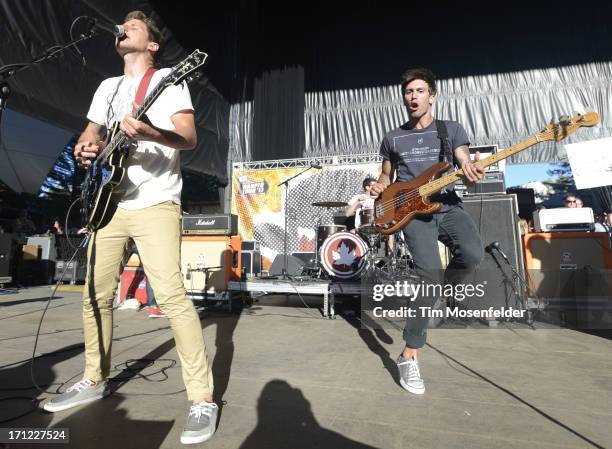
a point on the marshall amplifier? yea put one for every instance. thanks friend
(222, 224)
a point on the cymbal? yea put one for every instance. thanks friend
(330, 204)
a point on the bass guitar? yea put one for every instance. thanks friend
(106, 172)
(399, 203)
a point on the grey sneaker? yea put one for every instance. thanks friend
(410, 376)
(201, 423)
(80, 393)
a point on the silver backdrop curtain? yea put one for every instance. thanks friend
(501, 109)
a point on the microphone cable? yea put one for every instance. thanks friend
(35, 401)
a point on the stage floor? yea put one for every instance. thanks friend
(288, 379)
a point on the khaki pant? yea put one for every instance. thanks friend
(156, 232)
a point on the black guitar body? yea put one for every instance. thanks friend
(100, 185)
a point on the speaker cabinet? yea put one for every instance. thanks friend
(568, 264)
(526, 201)
(570, 277)
(496, 217)
(6, 257)
(208, 263)
(251, 263)
(47, 250)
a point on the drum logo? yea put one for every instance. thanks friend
(343, 255)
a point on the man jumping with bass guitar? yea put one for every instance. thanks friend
(147, 210)
(408, 151)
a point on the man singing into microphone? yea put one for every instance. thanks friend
(408, 151)
(148, 211)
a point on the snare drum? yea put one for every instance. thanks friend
(343, 255)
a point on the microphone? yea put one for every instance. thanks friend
(5, 92)
(116, 30)
(495, 246)
(316, 165)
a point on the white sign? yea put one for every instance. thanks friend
(591, 162)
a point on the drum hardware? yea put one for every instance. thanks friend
(330, 204)
(285, 183)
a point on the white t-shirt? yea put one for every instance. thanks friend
(153, 170)
(367, 204)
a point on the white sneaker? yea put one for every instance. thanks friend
(201, 423)
(410, 375)
(130, 304)
(80, 393)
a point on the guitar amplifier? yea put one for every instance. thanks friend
(208, 263)
(491, 183)
(221, 224)
(564, 219)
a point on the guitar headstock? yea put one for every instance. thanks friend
(566, 126)
(188, 69)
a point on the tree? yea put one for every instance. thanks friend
(563, 181)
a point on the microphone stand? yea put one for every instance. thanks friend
(9, 70)
(286, 184)
(515, 275)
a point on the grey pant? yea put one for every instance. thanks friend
(458, 232)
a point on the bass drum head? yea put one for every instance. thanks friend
(343, 255)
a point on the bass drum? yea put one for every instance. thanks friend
(343, 255)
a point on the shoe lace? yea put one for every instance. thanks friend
(80, 386)
(413, 370)
(203, 408)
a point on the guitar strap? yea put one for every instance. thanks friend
(445, 151)
(143, 86)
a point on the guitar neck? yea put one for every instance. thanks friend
(435, 186)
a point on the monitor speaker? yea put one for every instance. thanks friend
(294, 265)
(496, 217)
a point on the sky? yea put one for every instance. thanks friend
(518, 174)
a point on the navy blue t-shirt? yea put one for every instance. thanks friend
(412, 151)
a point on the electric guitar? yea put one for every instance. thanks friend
(399, 203)
(108, 169)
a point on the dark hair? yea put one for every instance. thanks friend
(366, 182)
(420, 74)
(570, 195)
(154, 34)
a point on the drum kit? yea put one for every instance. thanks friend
(343, 255)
